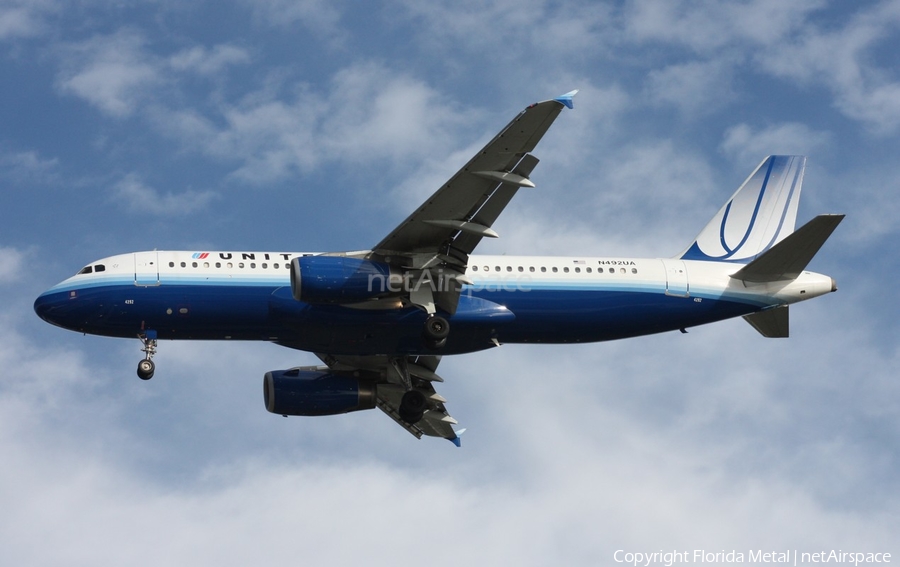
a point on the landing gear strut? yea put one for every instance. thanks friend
(146, 367)
(436, 330)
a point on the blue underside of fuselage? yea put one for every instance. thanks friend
(219, 312)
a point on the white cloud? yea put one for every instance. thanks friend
(368, 113)
(119, 75)
(320, 17)
(11, 264)
(657, 189)
(27, 166)
(693, 87)
(24, 18)
(209, 61)
(709, 26)
(748, 146)
(841, 60)
(782, 39)
(617, 444)
(375, 113)
(140, 198)
(540, 28)
(111, 72)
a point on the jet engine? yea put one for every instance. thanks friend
(338, 279)
(315, 391)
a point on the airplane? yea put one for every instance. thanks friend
(381, 319)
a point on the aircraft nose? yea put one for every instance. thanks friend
(56, 308)
(44, 306)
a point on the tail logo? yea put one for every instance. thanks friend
(761, 213)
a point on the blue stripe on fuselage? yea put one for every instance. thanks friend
(262, 309)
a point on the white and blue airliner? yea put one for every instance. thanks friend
(381, 319)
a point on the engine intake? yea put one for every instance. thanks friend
(315, 392)
(338, 279)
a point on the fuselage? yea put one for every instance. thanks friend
(508, 299)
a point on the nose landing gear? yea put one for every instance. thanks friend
(146, 367)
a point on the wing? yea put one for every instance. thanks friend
(444, 230)
(399, 375)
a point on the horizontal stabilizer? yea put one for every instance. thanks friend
(772, 323)
(787, 259)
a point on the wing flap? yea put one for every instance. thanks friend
(397, 375)
(436, 422)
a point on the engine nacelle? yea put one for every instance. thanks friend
(315, 392)
(338, 279)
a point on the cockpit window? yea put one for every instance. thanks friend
(99, 268)
(85, 270)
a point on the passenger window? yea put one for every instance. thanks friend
(531, 268)
(205, 264)
(275, 266)
(252, 264)
(543, 268)
(622, 270)
(508, 268)
(241, 265)
(496, 268)
(265, 265)
(193, 264)
(171, 264)
(599, 270)
(218, 264)
(229, 265)
(555, 269)
(566, 270)
(633, 270)
(183, 265)
(588, 270)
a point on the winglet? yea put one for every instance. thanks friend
(566, 99)
(458, 439)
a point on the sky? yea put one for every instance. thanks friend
(313, 125)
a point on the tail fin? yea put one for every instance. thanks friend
(761, 213)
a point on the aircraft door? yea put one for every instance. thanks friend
(146, 268)
(676, 278)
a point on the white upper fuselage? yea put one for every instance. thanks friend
(683, 278)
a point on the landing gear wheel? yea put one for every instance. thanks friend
(436, 330)
(412, 406)
(145, 369)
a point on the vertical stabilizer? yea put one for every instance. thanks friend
(760, 214)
